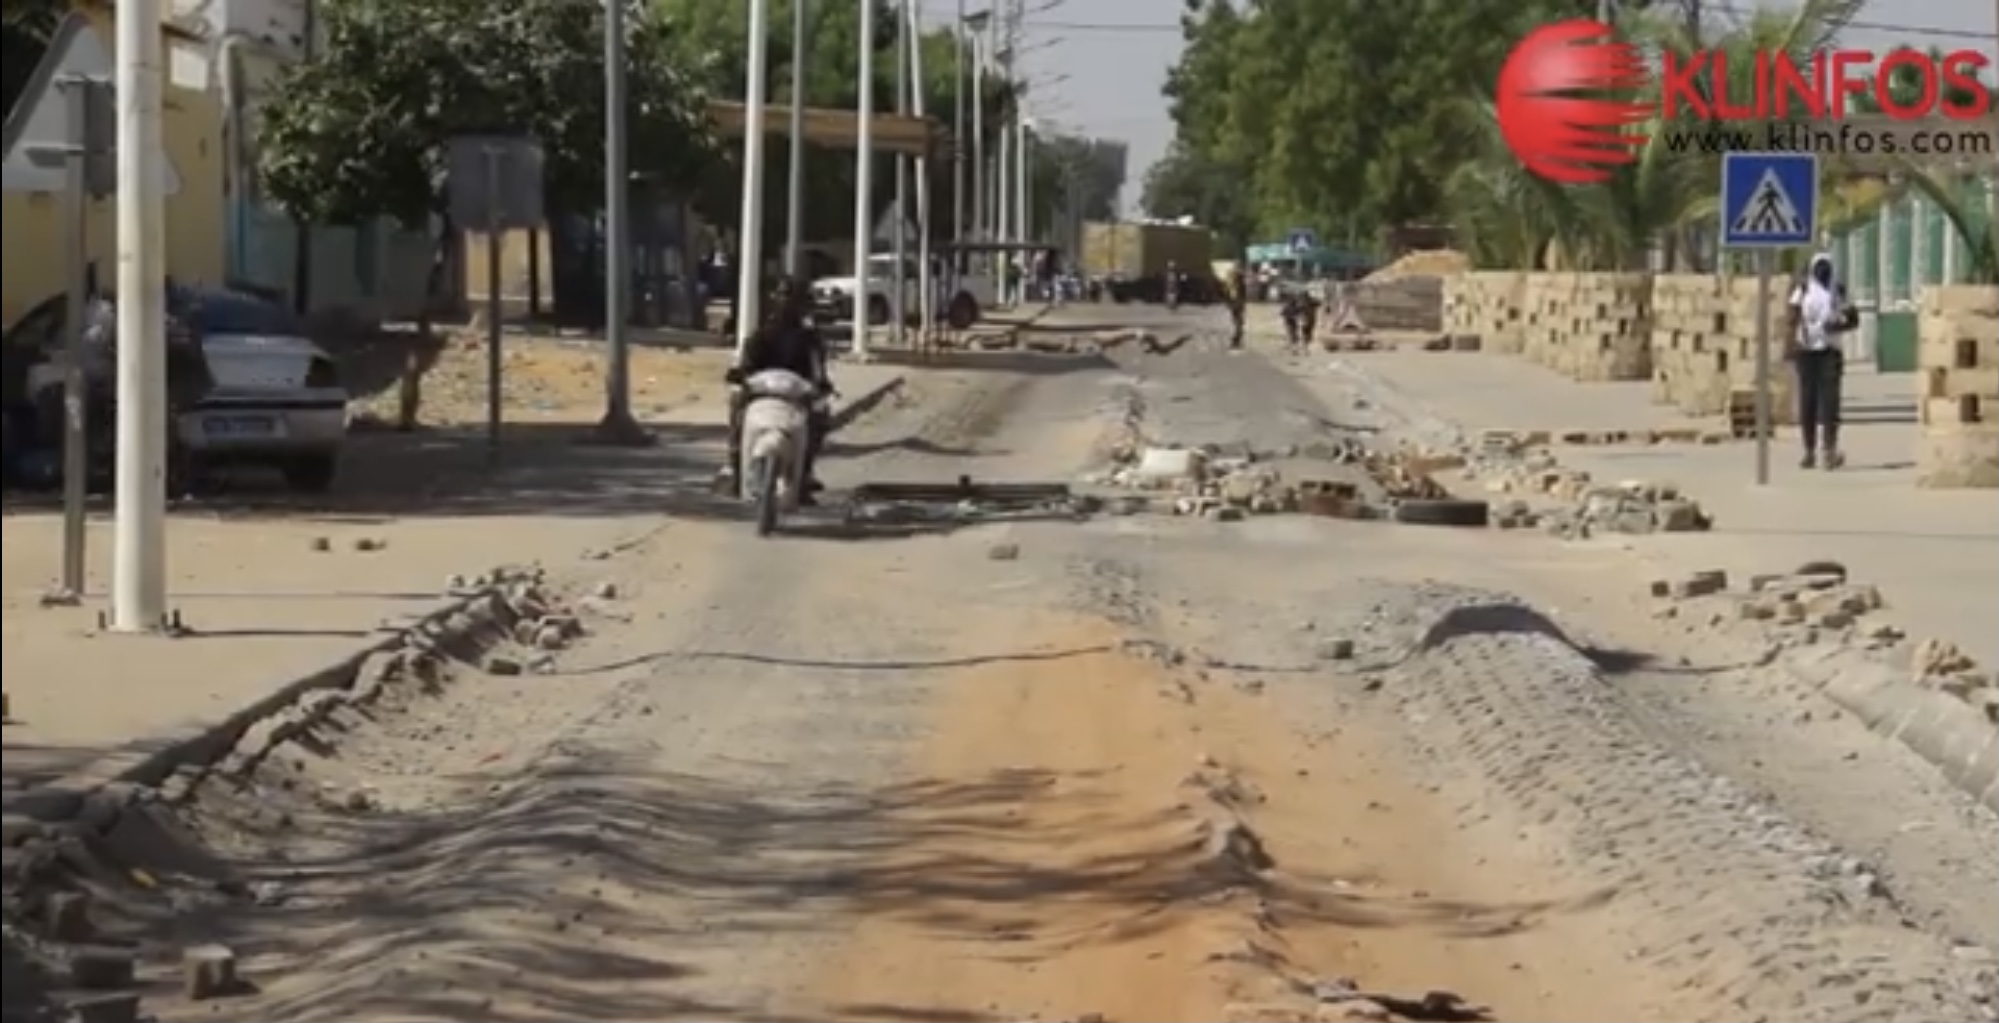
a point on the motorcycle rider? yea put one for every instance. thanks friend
(785, 341)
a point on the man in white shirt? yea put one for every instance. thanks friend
(1819, 314)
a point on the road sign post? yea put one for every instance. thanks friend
(86, 157)
(496, 182)
(1769, 201)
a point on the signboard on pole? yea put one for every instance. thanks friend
(494, 181)
(1769, 201)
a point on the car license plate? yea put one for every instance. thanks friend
(240, 426)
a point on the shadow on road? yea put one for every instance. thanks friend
(566, 893)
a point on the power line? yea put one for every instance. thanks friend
(1936, 31)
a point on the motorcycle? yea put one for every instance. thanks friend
(776, 419)
(1173, 293)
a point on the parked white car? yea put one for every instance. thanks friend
(956, 300)
(244, 383)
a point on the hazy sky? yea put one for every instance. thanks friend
(1098, 78)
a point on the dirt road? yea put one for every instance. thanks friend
(1136, 768)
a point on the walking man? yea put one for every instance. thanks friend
(1819, 314)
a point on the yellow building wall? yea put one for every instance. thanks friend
(514, 268)
(196, 224)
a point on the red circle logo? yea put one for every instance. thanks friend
(1567, 99)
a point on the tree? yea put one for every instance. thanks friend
(710, 37)
(359, 130)
(1185, 183)
(1666, 197)
(25, 29)
(1345, 116)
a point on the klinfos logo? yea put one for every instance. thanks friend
(1569, 93)
(1567, 101)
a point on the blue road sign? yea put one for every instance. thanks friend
(1303, 239)
(1769, 200)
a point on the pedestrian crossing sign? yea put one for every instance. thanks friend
(1769, 200)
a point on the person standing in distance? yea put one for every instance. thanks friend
(1819, 314)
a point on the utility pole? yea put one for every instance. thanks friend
(864, 178)
(993, 63)
(139, 560)
(979, 56)
(750, 233)
(899, 244)
(926, 282)
(618, 424)
(958, 130)
(794, 214)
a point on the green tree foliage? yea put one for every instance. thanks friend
(1069, 167)
(25, 28)
(1905, 87)
(1345, 116)
(711, 37)
(359, 130)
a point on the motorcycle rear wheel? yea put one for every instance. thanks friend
(763, 477)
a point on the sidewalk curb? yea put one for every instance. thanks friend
(467, 624)
(464, 625)
(1952, 735)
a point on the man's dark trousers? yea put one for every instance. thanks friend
(1819, 386)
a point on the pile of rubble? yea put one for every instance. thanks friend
(1197, 481)
(1569, 502)
(1819, 604)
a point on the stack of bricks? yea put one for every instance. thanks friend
(1958, 360)
(1590, 326)
(1486, 304)
(1399, 303)
(1704, 347)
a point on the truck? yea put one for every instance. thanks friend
(1130, 258)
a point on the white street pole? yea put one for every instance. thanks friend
(794, 219)
(1002, 217)
(899, 293)
(926, 280)
(1024, 183)
(750, 234)
(958, 105)
(864, 179)
(979, 207)
(139, 564)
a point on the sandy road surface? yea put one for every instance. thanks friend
(1034, 770)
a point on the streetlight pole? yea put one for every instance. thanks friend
(899, 244)
(794, 221)
(749, 254)
(926, 282)
(618, 424)
(139, 559)
(864, 184)
(980, 55)
(958, 130)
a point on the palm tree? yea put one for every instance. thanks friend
(1666, 196)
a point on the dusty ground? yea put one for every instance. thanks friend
(1045, 770)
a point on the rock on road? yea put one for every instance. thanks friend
(1035, 770)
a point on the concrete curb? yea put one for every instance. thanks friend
(458, 623)
(1953, 736)
(150, 761)
(867, 401)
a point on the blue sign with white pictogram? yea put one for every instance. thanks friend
(1769, 200)
(1303, 240)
